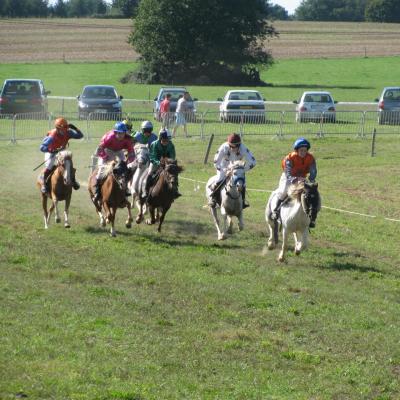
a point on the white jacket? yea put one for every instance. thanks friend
(225, 155)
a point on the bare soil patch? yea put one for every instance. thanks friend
(95, 40)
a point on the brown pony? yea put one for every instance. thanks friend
(163, 193)
(113, 190)
(59, 188)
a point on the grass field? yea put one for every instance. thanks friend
(180, 316)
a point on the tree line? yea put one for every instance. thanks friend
(308, 10)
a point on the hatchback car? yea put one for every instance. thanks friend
(101, 100)
(23, 96)
(314, 106)
(389, 106)
(242, 104)
(176, 93)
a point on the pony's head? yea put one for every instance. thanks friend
(236, 172)
(142, 154)
(310, 199)
(171, 171)
(64, 161)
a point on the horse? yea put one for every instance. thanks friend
(113, 190)
(59, 188)
(231, 198)
(301, 206)
(162, 193)
(142, 161)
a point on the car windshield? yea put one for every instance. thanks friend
(392, 94)
(175, 95)
(245, 96)
(317, 98)
(22, 88)
(99, 93)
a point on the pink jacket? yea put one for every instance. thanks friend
(110, 141)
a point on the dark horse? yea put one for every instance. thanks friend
(113, 190)
(59, 188)
(162, 194)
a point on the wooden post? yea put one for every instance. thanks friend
(208, 148)
(373, 143)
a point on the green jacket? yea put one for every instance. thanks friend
(158, 151)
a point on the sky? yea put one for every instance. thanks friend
(290, 5)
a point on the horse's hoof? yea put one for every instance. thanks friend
(271, 246)
(113, 234)
(67, 226)
(297, 252)
(128, 225)
(281, 258)
(58, 220)
(139, 219)
(221, 237)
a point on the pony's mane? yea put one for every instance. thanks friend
(238, 164)
(107, 170)
(62, 155)
(295, 190)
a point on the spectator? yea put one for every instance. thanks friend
(182, 108)
(165, 110)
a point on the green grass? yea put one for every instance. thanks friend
(357, 79)
(178, 315)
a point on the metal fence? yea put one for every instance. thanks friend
(273, 123)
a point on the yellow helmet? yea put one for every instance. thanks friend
(128, 124)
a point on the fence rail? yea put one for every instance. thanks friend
(203, 124)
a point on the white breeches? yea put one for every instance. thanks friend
(283, 187)
(50, 160)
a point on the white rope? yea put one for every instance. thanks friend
(328, 208)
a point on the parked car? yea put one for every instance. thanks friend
(313, 106)
(242, 104)
(101, 100)
(389, 106)
(176, 93)
(23, 96)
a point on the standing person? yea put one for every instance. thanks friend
(296, 166)
(182, 107)
(146, 135)
(161, 148)
(55, 141)
(165, 106)
(232, 150)
(112, 146)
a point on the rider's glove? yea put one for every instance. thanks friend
(73, 127)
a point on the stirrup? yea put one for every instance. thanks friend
(43, 189)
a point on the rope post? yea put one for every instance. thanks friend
(13, 135)
(373, 153)
(208, 148)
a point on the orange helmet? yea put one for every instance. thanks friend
(61, 123)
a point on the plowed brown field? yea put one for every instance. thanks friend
(41, 40)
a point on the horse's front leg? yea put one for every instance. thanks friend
(152, 219)
(46, 215)
(111, 221)
(128, 222)
(66, 209)
(139, 217)
(224, 223)
(240, 221)
(161, 216)
(273, 234)
(281, 257)
(301, 241)
(56, 212)
(214, 214)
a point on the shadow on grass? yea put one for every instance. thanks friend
(348, 266)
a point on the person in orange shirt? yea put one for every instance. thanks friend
(297, 165)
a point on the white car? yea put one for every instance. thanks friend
(314, 106)
(239, 105)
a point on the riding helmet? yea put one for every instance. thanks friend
(128, 124)
(120, 127)
(166, 130)
(234, 138)
(146, 125)
(164, 134)
(301, 142)
(61, 123)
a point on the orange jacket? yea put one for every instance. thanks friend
(296, 166)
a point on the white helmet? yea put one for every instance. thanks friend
(147, 125)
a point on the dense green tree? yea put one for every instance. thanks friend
(127, 7)
(179, 40)
(276, 11)
(382, 11)
(331, 10)
(59, 9)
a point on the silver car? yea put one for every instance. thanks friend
(389, 106)
(315, 106)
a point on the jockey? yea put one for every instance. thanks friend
(161, 148)
(112, 146)
(146, 136)
(296, 166)
(55, 141)
(232, 150)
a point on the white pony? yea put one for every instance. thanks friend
(142, 161)
(303, 202)
(231, 198)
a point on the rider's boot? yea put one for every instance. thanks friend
(215, 194)
(276, 212)
(75, 184)
(43, 180)
(145, 193)
(97, 190)
(245, 205)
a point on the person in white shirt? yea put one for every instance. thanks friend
(182, 107)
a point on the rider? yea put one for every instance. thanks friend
(161, 148)
(146, 136)
(232, 150)
(112, 146)
(296, 166)
(55, 141)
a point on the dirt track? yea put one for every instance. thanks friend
(38, 40)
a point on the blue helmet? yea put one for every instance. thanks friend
(164, 134)
(120, 127)
(301, 142)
